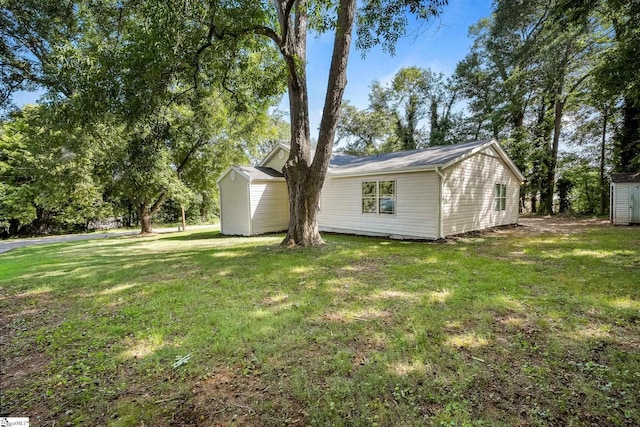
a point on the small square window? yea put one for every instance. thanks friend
(379, 197)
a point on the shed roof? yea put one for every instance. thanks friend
(253, 173)
(625, 177)
(260, 173)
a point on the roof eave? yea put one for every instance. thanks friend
(274, 150)
(237, 170)
(425, 168)
(275, 178)
(503, 155)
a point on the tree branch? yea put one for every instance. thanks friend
(285, 21)
(200, 143)
(336, 85)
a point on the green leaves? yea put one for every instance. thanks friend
(383, 22)
(412, 111)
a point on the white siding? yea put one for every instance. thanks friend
(469, 194)
(234, 205)
(416, 207)
(269, 207)
(275, 162)
(621, 203)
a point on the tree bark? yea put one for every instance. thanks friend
(603, 187)
(548, 189)
(144, 213)
(628, 141)
(305, 176)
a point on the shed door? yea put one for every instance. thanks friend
(634, 203)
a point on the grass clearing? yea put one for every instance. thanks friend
(503, 328)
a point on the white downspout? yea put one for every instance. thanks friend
(440, 235)
(250, 207)
(220, 206)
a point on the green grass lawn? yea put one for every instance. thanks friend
(503, 328)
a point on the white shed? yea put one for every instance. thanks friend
(625, 198)
(253, 201)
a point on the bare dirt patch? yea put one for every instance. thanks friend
(557, 225)
(231, 397)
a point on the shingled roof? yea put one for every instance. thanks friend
(402, 161)
(625, 177)
(260, 172)
(424, 159)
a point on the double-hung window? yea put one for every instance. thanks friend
(500, 197)
(379, 197)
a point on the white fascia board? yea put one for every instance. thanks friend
(468, 154)
(232, 168)
(277, 179)
(503, 155)
(429, 168)
(274, 150)
(509, 162)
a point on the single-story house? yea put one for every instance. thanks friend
(625, 198)
(429, 193)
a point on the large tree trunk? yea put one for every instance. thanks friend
(305, 177)
(144, 213)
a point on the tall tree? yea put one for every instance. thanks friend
(364, 131)
(414, 110)
(413, 96)
(618, 71)
(149, 66)
(527, 64)
(287, 23)
(47, 181)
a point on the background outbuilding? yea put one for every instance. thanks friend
(625, 198)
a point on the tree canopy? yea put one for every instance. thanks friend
(146, 102)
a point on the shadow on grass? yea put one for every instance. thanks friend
(365, 330)
(197, 236)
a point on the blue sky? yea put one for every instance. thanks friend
(438, 45)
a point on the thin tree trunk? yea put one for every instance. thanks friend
(628, 141)
(603, 188)
(546, 202)
(534, 202)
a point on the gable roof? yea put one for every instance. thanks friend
(431, 158)
(260, 173)
(253, 173)
(625, 177)
(343, 165)
(276, 149)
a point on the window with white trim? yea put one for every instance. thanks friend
(500, 197)
(379, 197)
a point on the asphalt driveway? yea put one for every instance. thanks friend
(7, 245)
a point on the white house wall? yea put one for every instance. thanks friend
(469, 194)
(234, 205)
(269, 207)
(416, 207)
(621, 203)
(277, 160)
